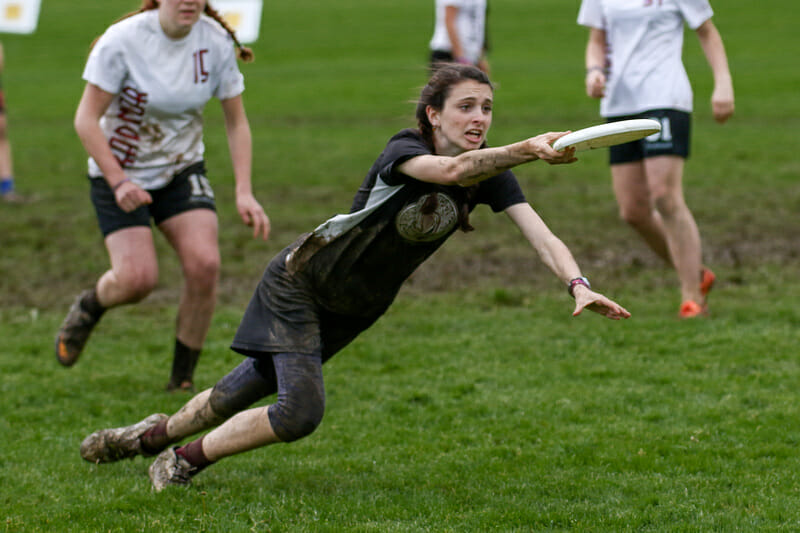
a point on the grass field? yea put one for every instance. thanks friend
(477, 403)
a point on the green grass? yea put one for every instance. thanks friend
(477, 403)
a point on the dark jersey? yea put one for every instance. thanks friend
(322, 291)
(356, 263)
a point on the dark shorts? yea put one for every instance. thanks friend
(189, 189)
(673, 139)
(283, 317)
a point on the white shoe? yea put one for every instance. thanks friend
(109, 445)
(169, 468)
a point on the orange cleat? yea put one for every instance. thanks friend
(707, 279)
(691, 309)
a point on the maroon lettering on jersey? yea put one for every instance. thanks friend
(200, 72)
(125, 141)
(124, 151)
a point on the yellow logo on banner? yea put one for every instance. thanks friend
(13, 12)
(234, 18)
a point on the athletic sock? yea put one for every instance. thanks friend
(91, 305)
(6, 186)
(193, 453)
(155, 439)
(183, 363)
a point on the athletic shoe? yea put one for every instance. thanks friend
(690, 309)
(109, 445)
(707, 279)
(169, 468)
(74, 332)
(184, 386)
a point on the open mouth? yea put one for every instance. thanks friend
(474, 135)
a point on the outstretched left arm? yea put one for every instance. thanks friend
(714, 50)
(558, 258)
(240, 144)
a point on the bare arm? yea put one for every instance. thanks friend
(450, 16)
(596, 63)
(240, 144)
(559, 260)
(714, 50)
(475, 166)
(91, 107)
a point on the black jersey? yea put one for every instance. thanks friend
(322, 291)
(356, 263)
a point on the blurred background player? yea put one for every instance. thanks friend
(149, 76)
(7, 192)
(633, 62)
(461, 33)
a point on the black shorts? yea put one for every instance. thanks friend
(189, 189)
(284, 317)
(673, 139)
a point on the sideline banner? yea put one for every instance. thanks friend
(19, 16)
(244, 16)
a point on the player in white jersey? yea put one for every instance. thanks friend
(148, 78)
(460, 33)
(633, 63)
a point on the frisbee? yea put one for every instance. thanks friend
(604, 135)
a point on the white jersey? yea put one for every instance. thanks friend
(470, 25)
(644, 41)
(154, 124)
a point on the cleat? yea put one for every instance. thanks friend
(690, 309)
(74, 332)
(184, 386)
(707, 279)
(109, 445)
(169, 468)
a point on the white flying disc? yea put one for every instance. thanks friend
(604, 135)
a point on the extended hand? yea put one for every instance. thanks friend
(253, 215)
(593, 301)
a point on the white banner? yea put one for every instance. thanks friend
(244, 16)
(19, 16)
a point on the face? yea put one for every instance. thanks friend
(462, 124)
(178, 16)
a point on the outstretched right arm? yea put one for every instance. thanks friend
(475, 166)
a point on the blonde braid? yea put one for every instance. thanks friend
(244, 53)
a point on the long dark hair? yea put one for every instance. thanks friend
(434, 94)
(242, 52)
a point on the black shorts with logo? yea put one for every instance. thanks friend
(189, 189)
(673, 139)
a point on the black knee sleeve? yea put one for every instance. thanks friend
(242, 387)
(301, 396)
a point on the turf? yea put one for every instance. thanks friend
(477, 403)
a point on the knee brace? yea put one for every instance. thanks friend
(238, 390)
(301, 396)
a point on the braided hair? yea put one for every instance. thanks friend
(242, 52)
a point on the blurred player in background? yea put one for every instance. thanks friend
(461, 33)
(149, 77)
(7, 192)
(330, 285)
(633, 62)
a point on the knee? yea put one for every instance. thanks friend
(635, 215)
(297, 416)
(203, 270)
(668, 205)
(137, 283)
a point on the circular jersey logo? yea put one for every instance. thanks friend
(427, 219)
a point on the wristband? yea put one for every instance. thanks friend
(590, 69)
(578, 281)
(119, 184)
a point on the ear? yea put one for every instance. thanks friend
(433, 116)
